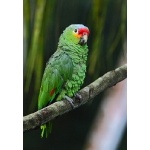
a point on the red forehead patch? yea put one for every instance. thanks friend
(83, 30)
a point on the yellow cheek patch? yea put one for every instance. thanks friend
(77, 35)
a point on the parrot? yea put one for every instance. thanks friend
(65, 70)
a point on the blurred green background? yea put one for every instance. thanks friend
(44, 21)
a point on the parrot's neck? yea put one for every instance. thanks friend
(75, 51)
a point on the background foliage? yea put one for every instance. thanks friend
(44, 21)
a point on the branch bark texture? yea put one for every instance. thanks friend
(50, 112)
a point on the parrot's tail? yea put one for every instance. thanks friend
(46, 129)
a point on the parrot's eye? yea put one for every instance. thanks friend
(75, 30)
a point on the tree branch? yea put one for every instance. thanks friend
(50, 112)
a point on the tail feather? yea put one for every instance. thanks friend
(46, 129)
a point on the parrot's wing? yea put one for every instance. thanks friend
(58, 70)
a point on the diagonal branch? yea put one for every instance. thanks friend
(50, 112)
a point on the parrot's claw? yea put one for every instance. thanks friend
(78, 96)
(70, 100)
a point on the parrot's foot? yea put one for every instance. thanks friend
(78, 97)
(70, 100)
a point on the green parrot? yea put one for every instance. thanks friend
(65, 70)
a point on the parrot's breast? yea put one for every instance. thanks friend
(73, 85)
(79, 69)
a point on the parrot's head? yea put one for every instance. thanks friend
(76, 34)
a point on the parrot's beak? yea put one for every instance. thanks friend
(83, 39)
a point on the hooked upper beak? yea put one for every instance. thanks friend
(83, 39)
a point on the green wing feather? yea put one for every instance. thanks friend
(58, 70)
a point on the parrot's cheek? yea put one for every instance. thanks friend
(83, 39)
